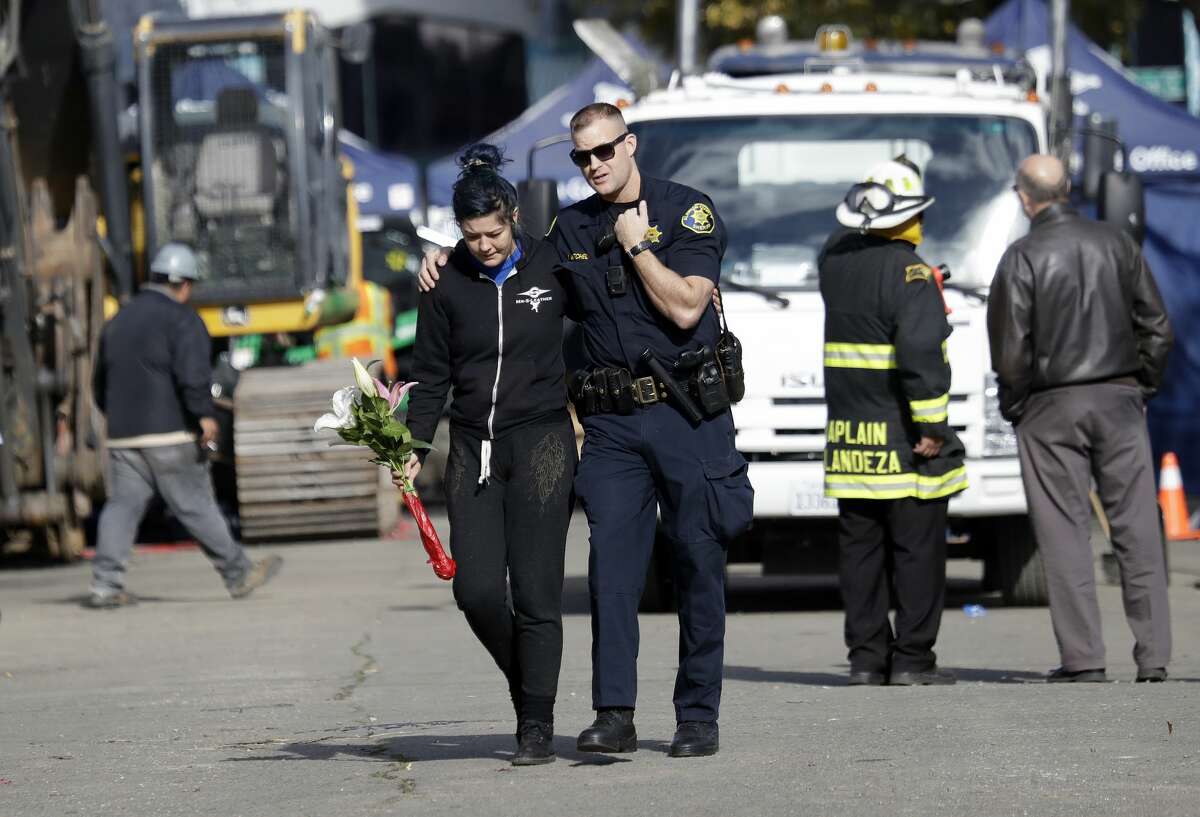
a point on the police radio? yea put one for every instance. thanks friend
(729, 356)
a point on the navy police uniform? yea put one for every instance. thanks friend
(654, 461)
(887, 384)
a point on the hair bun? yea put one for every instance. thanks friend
(481, 157)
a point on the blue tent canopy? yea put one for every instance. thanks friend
(1164, 150)
(548, 117)
(384, 183)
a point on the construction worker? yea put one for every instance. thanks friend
(152, 381)
(891, 458)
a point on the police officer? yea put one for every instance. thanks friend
(645, 256)
(891, 458)
(152, 381)
(649, 255)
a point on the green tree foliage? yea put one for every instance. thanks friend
(1107, 22)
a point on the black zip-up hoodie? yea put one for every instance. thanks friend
(499, 347)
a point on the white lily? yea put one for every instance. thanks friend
(340, 417)
(363, 378)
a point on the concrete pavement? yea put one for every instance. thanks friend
(351, 685)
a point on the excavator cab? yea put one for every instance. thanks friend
(238, 142)
(238, 139)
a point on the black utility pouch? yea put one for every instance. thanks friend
(729, 355)
(709, 387)
(600, 385)
(583, 396)
(620, 390)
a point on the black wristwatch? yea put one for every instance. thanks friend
(639, 248)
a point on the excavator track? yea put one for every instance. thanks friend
(291, 483)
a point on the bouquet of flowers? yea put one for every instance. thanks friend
(365, 415)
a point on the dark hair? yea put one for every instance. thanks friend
(597, 110)
(480, 188)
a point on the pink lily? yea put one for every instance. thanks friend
(395, 395)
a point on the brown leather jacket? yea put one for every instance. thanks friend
(1074, 302)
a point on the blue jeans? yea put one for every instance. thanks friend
(180, 477)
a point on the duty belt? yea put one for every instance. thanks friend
(647, 391)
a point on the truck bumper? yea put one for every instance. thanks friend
(797, 490)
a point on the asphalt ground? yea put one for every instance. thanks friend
(352, 686)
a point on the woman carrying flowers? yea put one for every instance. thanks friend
(492, 332)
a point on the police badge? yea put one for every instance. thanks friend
(698, 219)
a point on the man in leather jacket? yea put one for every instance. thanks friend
(1079, 340)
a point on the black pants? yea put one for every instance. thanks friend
(892, 548)
(511, 533)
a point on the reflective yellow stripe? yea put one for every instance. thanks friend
(895, 486)
(860, 355)
(945, 353)
(930, 411)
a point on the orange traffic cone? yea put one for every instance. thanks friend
(1172, 500)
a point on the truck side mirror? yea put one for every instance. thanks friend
(1099, 152)
(355, 42)
(538, 200)
(1122, 202)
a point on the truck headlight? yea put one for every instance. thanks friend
(999, 439)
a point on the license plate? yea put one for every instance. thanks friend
(809, 498)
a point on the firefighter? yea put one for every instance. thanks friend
(891, 458)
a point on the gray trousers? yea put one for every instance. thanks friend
(180, 477)
(1067, 437)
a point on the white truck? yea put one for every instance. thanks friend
(775, 134)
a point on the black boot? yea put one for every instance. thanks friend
(535, 743)
(612, 731)
(695, 739)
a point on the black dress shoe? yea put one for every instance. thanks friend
(612, 731)
(930, 677)
(865, 678)
(535, 744)
(1081, 676)
(1152, 675)
(695, 739)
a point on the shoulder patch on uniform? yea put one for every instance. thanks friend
(698, 219)
(917, 272)
(550, 229)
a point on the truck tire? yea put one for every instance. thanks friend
(1015, 566)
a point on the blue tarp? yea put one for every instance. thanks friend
(1164, 149)
(548, 117)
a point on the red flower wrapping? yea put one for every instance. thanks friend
(443, 566)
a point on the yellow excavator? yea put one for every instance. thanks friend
(235, 153)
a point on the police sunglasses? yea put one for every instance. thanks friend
(872, 199)
(604, 152)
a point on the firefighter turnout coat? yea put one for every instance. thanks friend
(887, 374)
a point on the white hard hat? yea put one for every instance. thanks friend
(890, 195)
(177, 262)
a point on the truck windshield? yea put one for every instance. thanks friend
(776, 181)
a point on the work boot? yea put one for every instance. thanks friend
(612, 731)
(109, 599)
(930, 677)
(1082, 676)
(259, 574)
(1151, 675)
(695, 739)
(535, 743)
